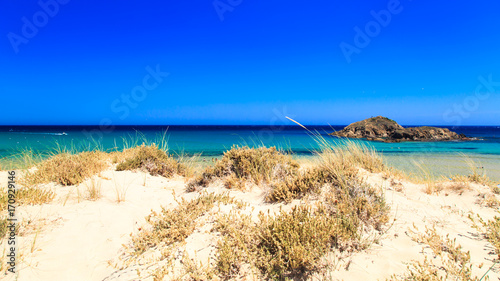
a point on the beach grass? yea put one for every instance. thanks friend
(151, 159)
(476, 173)
(337, 210)
(448, 260)
(257, 165)
(66, 168)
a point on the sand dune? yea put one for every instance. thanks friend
(74, 238)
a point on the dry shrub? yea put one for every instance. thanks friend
(432, 187)
(120, 156)
(453, 263)
(496, 189)
(348, 196)
(257, 165)
(398, 186)
(337, 166)
(295, 187)
(293, 243)
(34, 196)
(488, 200)
(435, 187)
(233, 182)
(174, 225)
(458, 186)
(473, 178)
(194, 270)
(288, 244)
(151, 159)
(67, 169)
(237, 246)
(490, 230)
(358, 204)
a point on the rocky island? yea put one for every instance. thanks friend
(387, 130)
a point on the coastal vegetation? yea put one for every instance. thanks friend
(66, 168)
(446, 260)
(309, 211)
(151, 159)
(260, 165)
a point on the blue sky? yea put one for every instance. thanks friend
(249, 62)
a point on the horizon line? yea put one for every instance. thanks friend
(227, 125)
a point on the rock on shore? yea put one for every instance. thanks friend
(384, 129)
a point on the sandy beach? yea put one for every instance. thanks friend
(77, 238)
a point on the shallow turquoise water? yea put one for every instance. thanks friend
(212, 141)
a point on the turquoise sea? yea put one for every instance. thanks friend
(442, 158)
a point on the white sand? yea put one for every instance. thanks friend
(76, 239)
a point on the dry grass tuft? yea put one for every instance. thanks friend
(488, 200)
(358, 204)
(3, 227)
(477, 174)
(394, 174)
(28, 196)
(257, 165)
(453, 262)
(496, 189)
(93, 187)
(458, 186)
(194, 270)
(151, 159)
(66, 168)
(490, 230)
(426, 177)
(345, 157)
(174, 225)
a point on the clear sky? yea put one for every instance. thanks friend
(249, 62)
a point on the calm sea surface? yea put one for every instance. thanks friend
(211, 141)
